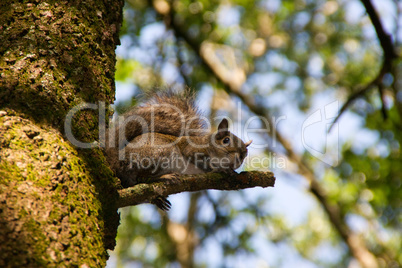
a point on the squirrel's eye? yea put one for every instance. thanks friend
(226, 140)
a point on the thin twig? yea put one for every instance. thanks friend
(355, 244)
(349, 102)
(389, 56)
(384, 38)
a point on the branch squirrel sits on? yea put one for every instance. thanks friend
(167, 136)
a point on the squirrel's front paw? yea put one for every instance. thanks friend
(162, 202)
(230, 172)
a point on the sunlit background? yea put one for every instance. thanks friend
(297, 61)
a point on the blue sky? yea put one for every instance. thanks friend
(289, 197)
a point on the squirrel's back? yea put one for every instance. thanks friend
(166, 112)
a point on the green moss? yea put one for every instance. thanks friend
(10, 172)
(66, 59)
(75, 193)
(23, 213)
(34, 229)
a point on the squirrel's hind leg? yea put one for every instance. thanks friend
(162, 202)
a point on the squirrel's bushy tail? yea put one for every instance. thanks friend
(165, 112)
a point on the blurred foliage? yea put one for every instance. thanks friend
(293, 53)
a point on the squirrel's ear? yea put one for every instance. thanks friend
(222, 129)
(223, 125)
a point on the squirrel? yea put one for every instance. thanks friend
(166, 136)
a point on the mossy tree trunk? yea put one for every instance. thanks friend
(57, 202)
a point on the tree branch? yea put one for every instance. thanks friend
(358, 93)
(389, 55)
(356, 245)
(144, 193)
(384, 38)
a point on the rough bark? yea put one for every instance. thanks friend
(143, 193)
(57, 203)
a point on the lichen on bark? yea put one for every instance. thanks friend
(56, 201)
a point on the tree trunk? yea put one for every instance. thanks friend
(57, 202)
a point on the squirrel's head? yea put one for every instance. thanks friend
(228, 149)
